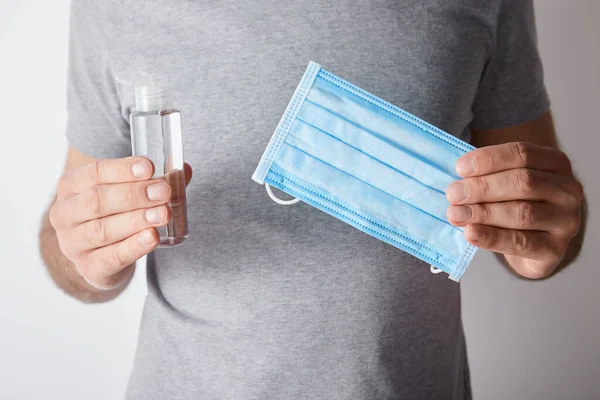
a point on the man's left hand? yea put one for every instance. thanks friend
(518, 199)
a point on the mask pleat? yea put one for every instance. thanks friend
(398, 131)
(372, 225)
(380, 148)
(366, 199)
(367, 169)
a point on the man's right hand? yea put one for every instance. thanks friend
(106, 215)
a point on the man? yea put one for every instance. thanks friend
(266, 302)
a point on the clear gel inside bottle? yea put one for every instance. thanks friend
(156, 134)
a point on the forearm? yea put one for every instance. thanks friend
(64, 273)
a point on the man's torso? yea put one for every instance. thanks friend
(265, 301)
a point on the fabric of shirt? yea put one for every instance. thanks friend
(272, 302)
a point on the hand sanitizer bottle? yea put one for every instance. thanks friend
(156, 134)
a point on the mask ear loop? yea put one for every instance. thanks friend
(277, 199)
(435, 270)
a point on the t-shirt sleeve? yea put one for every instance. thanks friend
(95, 124)
(512, 90)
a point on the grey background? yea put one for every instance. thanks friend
(526, 340)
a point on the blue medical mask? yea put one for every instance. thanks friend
(369, 164)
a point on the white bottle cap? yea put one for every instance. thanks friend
(150, 95)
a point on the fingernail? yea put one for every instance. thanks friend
(465, 166)
(457, 192)
(156, 215)
(146, 238)
(141, 169)
(460, 213)
(158, 191)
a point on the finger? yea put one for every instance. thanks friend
(188, 173)
(515, 184)
(503, 157)
(525, 215)
(104, 263)
(103, 172)
(528, 244)
(105, 231)
(106, 200)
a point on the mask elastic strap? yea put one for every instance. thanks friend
(277, 199)
(435, 270)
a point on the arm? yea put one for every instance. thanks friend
(536, 223)
(539, 131)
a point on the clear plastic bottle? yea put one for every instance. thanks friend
(156, 134)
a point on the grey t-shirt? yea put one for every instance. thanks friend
(271, 302)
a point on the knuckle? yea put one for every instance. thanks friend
(572, 200)
(84, 268)
(561, 249)
(54, 216)
(66, 246)
(527, 214)
(484, 213)
(482, 236)
(132, 195)
(92, 201)
(569, 228)
(62, 184)
(98, 228)
(89, 267)
(573, 195)
(94, 172)
(577, 192)
(115, 258)
(491, 237)
(521, 151)
(557, 248)
(491, 157)
(483, 187)
(522, 242)
(525, 180)
(81, 260)
(485, 158)
(564, 159)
